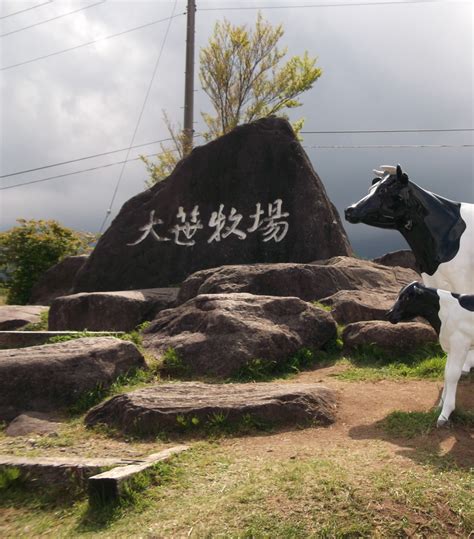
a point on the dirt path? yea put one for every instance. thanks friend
(362, 406)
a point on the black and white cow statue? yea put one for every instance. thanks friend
(452, 317)
(439, 231)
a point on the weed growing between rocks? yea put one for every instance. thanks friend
(172, 364)
(42, 325)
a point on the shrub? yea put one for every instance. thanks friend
(28, 250)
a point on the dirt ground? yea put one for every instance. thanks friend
(362, 406)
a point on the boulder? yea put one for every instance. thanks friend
(171, 407)
(250, 196)
(32, 423)
(306, 281)
(218, 334)
(404, 258)
(349, 306)
(109, 311)
(57, 280)
(17, 316)
(396, 338)
(45, 378)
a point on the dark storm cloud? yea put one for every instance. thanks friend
(385, 67)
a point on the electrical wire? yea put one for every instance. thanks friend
(386, 131)
(6, 188)
(26, 9)
(155, 69)
(52, 19)
(345, 4)
(337, 147)
(82, 158)
(89, 42)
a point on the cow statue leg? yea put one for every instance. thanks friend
(469, 363)
(454, 364)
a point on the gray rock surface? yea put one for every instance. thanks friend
(349, 306)
(394, 338)
(221, 201)
(109, 311)
(57, 280)
(154, 409)
(46, 378)
(32, 423)
(306, 281)
(218, 334)
(17, 316)
(404, 258)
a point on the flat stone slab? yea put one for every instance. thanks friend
(169, 407)
(109, 311)
(110, 485)
(17, 316)
(57, 470)
(21, 339)
(52, 376)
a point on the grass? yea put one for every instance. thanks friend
(215, 491)
(41, 325)
(371, 363)
(411, 424)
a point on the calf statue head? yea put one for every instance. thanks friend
(386, 205)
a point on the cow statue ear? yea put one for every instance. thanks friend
(401, 176)
(375, 180)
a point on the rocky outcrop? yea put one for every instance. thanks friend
(391, 338)
(306, 281)
(52, 376)
(57, 280)
(404, 258)
(249, 196)
(349, 306)
(32, 423)
(180, 406)
(109, 311)
(14, 317)
(218, 334)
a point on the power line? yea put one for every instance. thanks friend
(345, 4)
(26, 9)
(73, 173)
(82, 158)
(337, 147)
(306, 147)
(52, 19)
(355, 131)
(155, 69)
(89, 42)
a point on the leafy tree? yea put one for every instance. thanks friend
(28, 250)
(241, 71)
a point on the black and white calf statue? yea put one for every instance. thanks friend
(439, 231)
(452, 317)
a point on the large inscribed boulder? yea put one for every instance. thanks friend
(249, 196)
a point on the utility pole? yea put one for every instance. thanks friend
(188, 130)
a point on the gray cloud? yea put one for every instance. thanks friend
(385, 67)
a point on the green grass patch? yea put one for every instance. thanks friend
(42, 325)
(371, 363)
(411, 424)
(320, 305)
(261, 370)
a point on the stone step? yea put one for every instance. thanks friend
(23, 339)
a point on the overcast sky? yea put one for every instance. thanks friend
(385, 67)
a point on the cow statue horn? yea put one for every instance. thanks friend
(388, 169)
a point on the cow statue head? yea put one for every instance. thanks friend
(386, 205)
